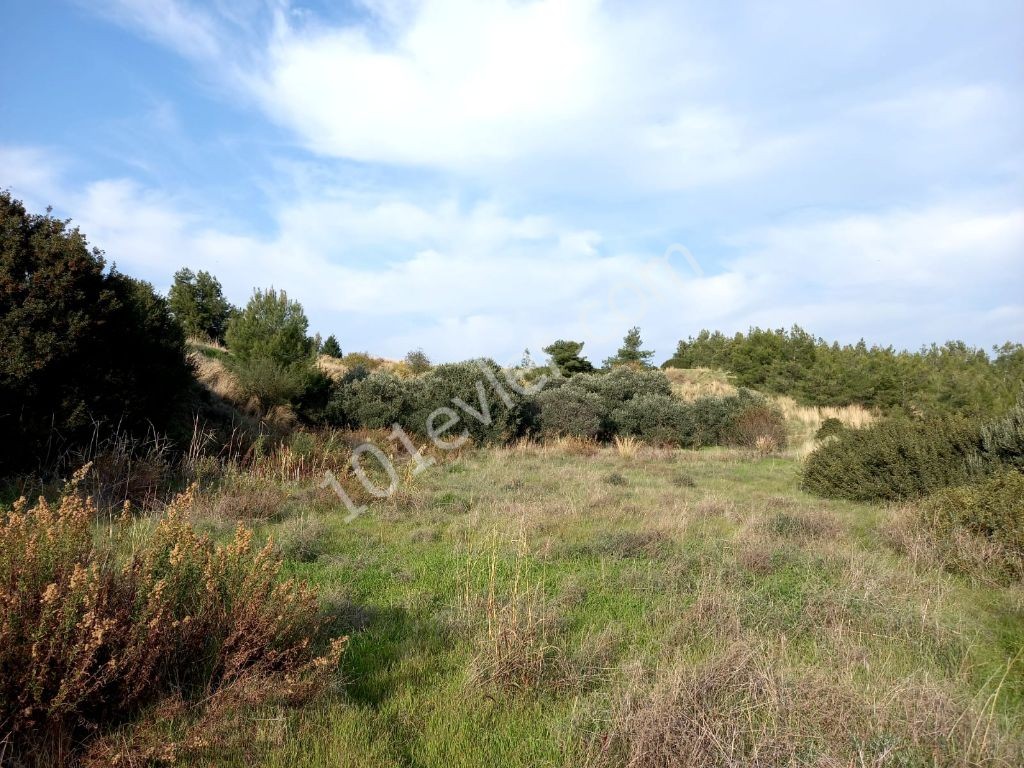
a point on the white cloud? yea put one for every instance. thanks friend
(388, 274)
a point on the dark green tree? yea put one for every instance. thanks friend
(198, 304)
(566, 355)
(418, 361)
(331, 347)
(270, 327)
(273, 356)
(83, 350)
(631, 352)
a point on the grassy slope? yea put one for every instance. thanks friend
(642, 569)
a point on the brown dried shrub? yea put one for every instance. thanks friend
(93, 630)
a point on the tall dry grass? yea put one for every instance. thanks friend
(804, 421)
(694, 383)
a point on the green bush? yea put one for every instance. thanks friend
(991, 508)
(442, 385)
(271, 327)
(660, 419)
(715, 418)
(198, 304)
(84, 351)
(622, 384)
(331, 347)
(894, 460)
(569, 411)
(1002, 440)
(376, 401)
(830, 427)
(270, 382)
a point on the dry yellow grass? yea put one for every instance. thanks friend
(216, 377)
(803, 421)
(332, 366)
(693, 383)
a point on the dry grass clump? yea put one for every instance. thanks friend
(694, 383)
(802, 525)
(627, 447)
(243, 497)
(303, 538)
(744, 708)
(332, 366)
(218, 378)
(90, 633)
(804, 421)
(957, 550)
(517, 648)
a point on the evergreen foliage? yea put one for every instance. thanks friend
(952, 377)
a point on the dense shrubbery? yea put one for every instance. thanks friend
(374, 401)
(639, 403)
(992, 508)
(658, 419)
(83, 350)
(830, 427)
(1002, 440)
(952, 377)
(272, 353)
(570, 411)
(91, 632)
(626, 401)
(465, 388)
(894, 460)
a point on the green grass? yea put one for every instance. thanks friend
(633, 580)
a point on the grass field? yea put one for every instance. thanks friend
(574, 605)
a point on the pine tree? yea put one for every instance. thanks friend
(631, 353)
(198, 304)
(566, 355)
(331, 347)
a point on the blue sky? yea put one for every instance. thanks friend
(478, 177)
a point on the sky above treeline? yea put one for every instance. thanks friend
(476, 177)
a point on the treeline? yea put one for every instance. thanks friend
(952, 377)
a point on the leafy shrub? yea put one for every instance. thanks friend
(444, 385)
(83, 350)
(893, 460)
(417, 361)
(269, 382)
(715, 419)
(570, 411)
(1002, 440)
(655, 418)
(92, 632)
(758, 425)
(622, 384)
(830, 427)
(991, 508)
(374, 402)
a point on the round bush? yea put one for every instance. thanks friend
(466, 388)
(894, 460)
(757, 424)
(830, 427)
(375, 402)
(655, 418)
(569, 411)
